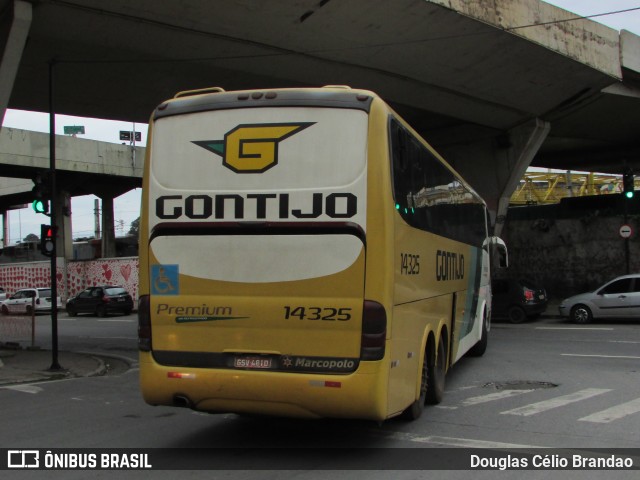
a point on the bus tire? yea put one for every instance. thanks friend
(479, 348)
(436, 375)
(414, 410)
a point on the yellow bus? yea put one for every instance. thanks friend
(304, 253)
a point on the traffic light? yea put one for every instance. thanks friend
(40, 206)
(47, 240)
(628, 184)
(41, 193)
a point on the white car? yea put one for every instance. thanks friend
(27, 300)
(619, 298)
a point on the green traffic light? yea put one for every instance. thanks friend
(40, 206)
(629, 194)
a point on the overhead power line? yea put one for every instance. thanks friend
(572, 19)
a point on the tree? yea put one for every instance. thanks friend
(135, 227)
(32, 237)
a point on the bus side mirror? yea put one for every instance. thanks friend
(498, 252)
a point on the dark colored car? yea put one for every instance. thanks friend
(517, 299)
(101, 300)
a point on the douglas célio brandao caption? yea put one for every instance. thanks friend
(550, 462)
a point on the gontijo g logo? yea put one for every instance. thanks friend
(252, 148)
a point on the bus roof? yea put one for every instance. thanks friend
(218, 99)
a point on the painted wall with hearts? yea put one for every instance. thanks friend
(79, 275)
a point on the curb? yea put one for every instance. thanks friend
(22, 374)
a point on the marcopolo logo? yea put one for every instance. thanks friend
(252, 148)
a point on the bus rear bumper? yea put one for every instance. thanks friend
(357, 395)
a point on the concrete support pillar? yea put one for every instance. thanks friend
(108, 231)
(524, 143)
(495, 165)
(15, 32)
(5, 229)
(64, 240)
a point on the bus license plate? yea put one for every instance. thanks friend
(253, 362)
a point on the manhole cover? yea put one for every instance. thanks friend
(519, 385)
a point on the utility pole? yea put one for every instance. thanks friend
(55, 366)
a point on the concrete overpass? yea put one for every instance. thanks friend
(495, 86)
(83, 167)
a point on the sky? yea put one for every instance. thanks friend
(127, 207)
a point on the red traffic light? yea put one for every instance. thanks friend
(47, 240)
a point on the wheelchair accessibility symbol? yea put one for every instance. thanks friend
(164, 280)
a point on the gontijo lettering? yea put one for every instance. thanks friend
(449, 266)
(256, 205)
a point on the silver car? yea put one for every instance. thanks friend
(619, 298)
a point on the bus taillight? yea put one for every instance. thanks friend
(144, 323)
(374, 331)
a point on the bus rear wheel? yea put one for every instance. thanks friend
(436, 374)
(414, 410)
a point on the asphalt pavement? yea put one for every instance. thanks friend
(20, 365)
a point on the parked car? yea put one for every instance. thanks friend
(618, 298)
(101, 300)
(27, 300)
(3, 294)
(517, 299)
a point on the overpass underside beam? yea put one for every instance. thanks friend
(14, 34)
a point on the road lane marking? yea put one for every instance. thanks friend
(574, 328)
(467, 442)
(599, 356)
(493, 396)
(112, 338)
(556, 402)
(614, 413)
(24, 388)
(450, 441)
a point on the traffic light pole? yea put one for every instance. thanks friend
(55, 366)
(627, 255)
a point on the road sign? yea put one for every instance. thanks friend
(626, 231)
(74, 130)
(127, 136)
